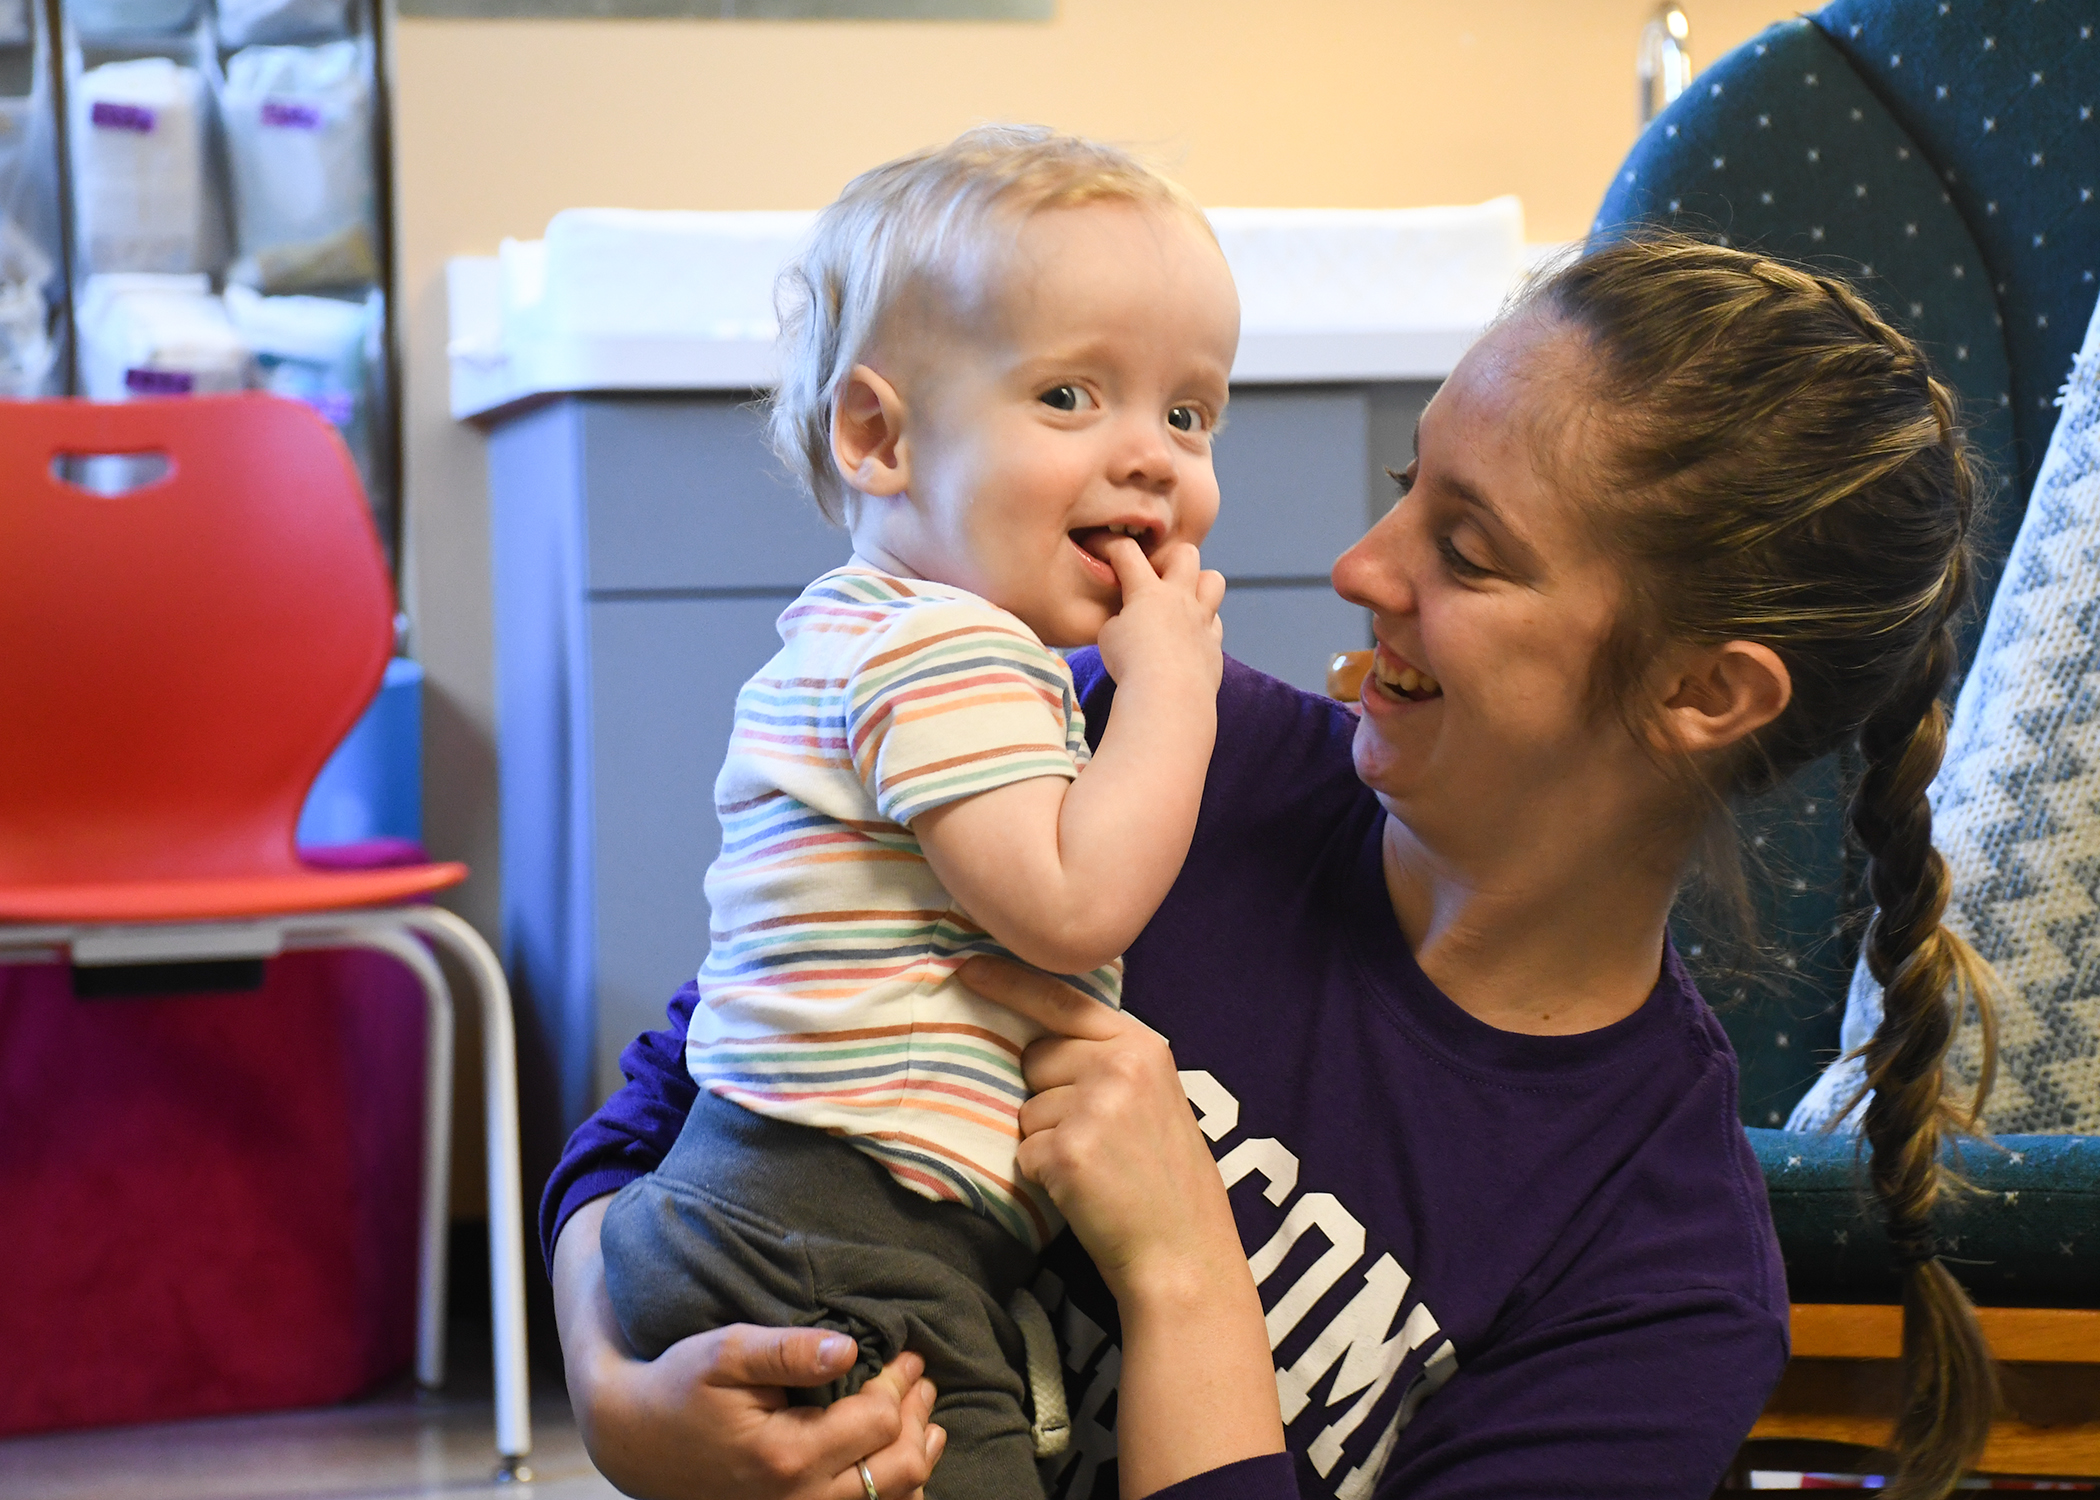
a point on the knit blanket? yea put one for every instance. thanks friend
(2016, 808)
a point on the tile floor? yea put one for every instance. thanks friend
(391, 1446)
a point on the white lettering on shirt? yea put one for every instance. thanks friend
(1360, 1345)
(1441, 1367)
(1345, 1247)
(1266, 1156)
(1217, 1112)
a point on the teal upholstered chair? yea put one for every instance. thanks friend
(1945, 154)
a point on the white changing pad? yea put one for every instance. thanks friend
(626, 299)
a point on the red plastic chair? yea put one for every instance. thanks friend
(176, 663)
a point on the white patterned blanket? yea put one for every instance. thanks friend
(2016, 807)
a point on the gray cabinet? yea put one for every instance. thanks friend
(1300, 474)
(643, 546)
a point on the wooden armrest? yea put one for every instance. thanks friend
(2018, 1335)
(1844, 1385)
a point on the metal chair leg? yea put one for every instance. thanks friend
(379, 933)
(435, 1250)
(506, 1195)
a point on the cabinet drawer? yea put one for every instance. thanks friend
(1292, 474)
(664, 680)
(684, 494)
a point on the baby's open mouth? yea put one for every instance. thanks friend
(1093, 540)
(1402, 680)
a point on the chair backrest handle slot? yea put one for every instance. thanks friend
(111, 475)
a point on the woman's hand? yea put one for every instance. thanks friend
(1109, 1134)
(709, 1419)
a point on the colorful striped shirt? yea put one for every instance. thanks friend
(829, 996)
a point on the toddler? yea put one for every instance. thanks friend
(1004, 362)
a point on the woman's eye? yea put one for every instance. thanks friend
(1403, 479)
(1457, 561)
(1185, 419)
(1065, 398)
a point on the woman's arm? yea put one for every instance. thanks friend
(709, 1418)
(1109, 1134)
(633, 1130)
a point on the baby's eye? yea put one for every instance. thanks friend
(1185, 419)
(1065, 398)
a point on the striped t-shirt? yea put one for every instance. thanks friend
(828, 997)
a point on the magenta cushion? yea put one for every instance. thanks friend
(210, 1200)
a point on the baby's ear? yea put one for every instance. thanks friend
(867, 435)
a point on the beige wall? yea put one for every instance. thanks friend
(1348, 103)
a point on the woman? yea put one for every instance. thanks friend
(1685, 520)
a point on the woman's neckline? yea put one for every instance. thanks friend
(1539, 981)
(1389, 964)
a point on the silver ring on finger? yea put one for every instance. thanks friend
(867, 1481)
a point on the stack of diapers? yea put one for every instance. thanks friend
(311, 349)
(299, 135)
(139, 167)
(243, 23)
(144, 335)
(2016, 808)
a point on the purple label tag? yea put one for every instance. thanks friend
(289, 116)
(159, 382)
(335, 406)
(110, 116)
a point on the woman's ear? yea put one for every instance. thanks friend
(867, 435)
(1723, 694)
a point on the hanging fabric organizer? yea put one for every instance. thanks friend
(219, 157)
(32, 278)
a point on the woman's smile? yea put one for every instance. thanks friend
(1395, 679)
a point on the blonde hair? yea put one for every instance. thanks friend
(1785, 467)
(913, 224)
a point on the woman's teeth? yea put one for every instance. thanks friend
(1406, 681)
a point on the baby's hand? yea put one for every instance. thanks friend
(1168, 631)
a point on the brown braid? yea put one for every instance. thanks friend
(1783, 468)
(1950, 1381)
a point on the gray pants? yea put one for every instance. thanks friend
(752, 1220)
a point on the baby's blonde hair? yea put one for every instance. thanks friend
(916, 223)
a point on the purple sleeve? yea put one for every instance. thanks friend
(1271, 1477)
(1643, 1398)
(1096, 690)
(634, 1129)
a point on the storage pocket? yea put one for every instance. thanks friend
(299, 139)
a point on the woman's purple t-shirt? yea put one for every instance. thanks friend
(1494, 1265)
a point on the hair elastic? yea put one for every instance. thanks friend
(1913, 1244)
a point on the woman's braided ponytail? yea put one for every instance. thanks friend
(1791, 473)
(1926, 972)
